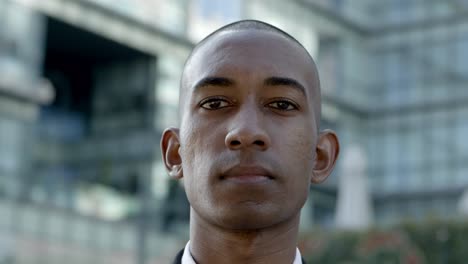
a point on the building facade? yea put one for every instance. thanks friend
(88, 86)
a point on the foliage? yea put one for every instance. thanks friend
(409, 243)
(441, 242)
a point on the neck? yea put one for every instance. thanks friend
(214, 244)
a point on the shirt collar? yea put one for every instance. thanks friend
(188, 259)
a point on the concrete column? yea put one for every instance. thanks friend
(354, 209)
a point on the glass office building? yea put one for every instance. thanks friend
(88, 85)
(399, 83)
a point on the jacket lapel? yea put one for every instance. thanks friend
(178, 258)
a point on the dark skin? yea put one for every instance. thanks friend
(248, 147)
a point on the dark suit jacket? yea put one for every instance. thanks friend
(178, 258)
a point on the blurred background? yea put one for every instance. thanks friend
(87, 86)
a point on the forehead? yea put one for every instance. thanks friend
(251, 52)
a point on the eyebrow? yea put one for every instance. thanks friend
(213, 81)
(270, 81)
(284, 81)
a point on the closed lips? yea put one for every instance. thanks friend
(247, 172)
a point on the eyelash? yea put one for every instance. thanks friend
(214, 100)
(283, 100)
(221, 100)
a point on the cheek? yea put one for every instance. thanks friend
(300, 146)
(199, 147)
(199, 142)
(299, 152)
(302, 151)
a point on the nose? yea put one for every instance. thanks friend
(247, 131)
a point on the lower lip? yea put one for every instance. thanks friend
(249, 179)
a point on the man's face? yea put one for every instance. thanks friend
(248, 132)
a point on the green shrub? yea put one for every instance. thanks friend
(433, 242)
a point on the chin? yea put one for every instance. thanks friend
(250, 218)
(246, 224)
(249, 215)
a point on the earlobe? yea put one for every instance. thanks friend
(327, 150)
(170, 145)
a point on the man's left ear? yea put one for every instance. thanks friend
(327, 150)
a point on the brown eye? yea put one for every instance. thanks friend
(214, 103)
(283, 105)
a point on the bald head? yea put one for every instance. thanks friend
(248, 25)
(253, 29)
(248, 145)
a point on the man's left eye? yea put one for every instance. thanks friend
(283, 105)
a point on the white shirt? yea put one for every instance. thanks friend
(188, 259)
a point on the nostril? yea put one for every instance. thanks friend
(259, 143)
(235, 143)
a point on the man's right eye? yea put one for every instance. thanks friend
(214, 103)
